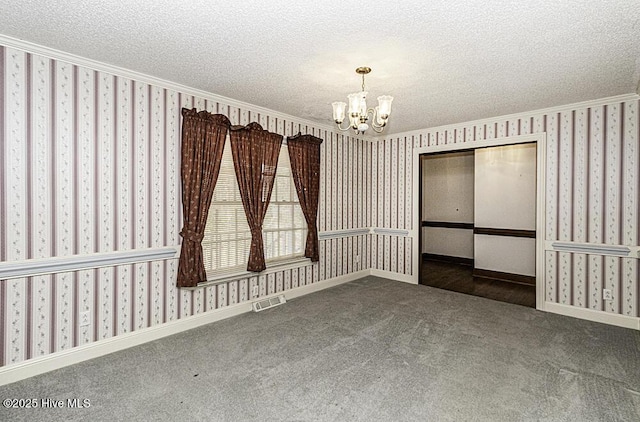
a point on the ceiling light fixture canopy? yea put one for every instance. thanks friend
(358, 111)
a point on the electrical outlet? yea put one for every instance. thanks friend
(607, 295)
(85, 318)
(357, 259)
(254, 291)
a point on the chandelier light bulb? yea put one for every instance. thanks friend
(354, 104)
(339, 109)
(384, 104)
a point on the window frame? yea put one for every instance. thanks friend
(274, 264)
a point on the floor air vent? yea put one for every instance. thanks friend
(261, 305)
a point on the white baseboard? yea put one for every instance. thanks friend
(41, 365)
(321, 285)
(592, 315)
(556, 308)
(405, 278)
(57, 360)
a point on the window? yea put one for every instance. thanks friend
(227, 236)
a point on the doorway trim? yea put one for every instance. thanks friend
(541, 146)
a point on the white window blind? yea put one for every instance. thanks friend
(284, 228)
(227, 236)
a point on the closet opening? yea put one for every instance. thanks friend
(478, 221)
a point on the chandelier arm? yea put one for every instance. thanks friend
(377, 129)
(343, 129)
(374, 121)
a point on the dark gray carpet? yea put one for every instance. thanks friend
(369, 350)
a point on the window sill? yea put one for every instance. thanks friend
(272, 267)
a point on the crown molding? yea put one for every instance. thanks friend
(550, 110)
(55, 54)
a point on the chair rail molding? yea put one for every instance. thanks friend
(63, 264)
(623, 251)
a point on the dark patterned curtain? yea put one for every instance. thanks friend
(255, 157)
(203, 137)
(304, 154)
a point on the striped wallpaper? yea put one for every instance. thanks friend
(89, 162)
(592, 194)
(391, 171)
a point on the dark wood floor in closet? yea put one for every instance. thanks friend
(459, 278)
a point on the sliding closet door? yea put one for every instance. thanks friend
(505, 212)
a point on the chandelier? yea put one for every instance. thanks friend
(359, 113)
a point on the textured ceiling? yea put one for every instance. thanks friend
(444, 61)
